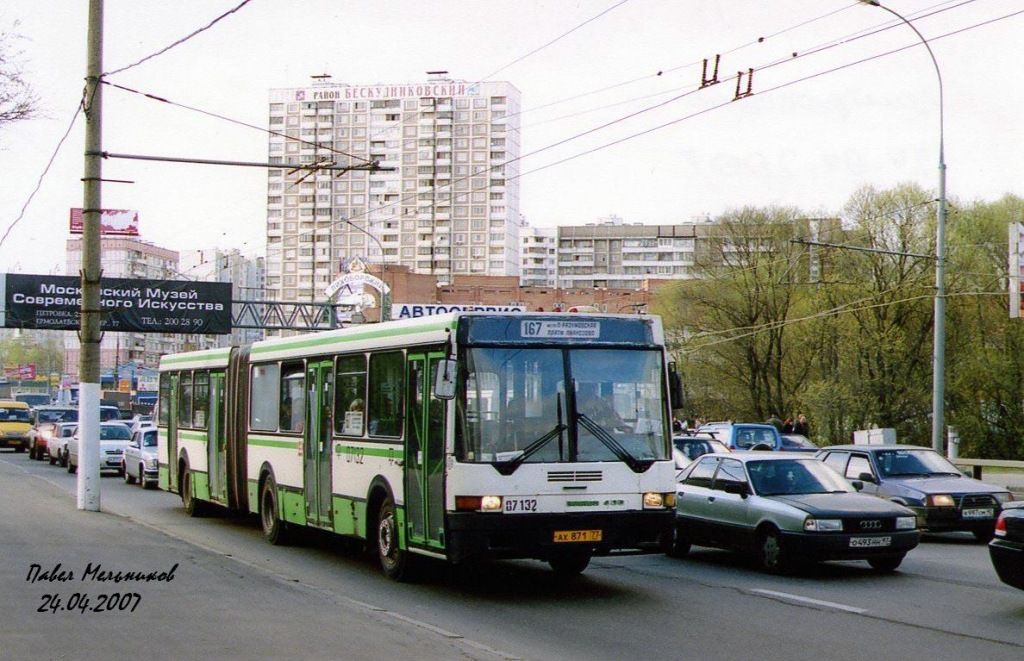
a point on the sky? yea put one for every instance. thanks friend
(615, 118)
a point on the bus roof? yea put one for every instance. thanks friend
(401, 332)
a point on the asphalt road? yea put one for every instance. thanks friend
(233, 595)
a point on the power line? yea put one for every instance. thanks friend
(179, 41)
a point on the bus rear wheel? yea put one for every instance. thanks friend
(395, 561)
(275, 530)
(193, 506)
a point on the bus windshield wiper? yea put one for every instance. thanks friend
(510, 466)
(601, 434)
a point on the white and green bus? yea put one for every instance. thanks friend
(458, 436)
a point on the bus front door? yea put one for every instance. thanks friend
(424, 454)
(317, 444)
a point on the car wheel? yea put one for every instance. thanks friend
(984, 534)
(53, 459)
(275, 530)
(71, 467)
(675, 544)
(570, 564)
(142, 478)
(887, 563)
(128, 477)
(770, 552)
(396, 562)
(64, 459)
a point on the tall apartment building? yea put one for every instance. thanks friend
(247, 276)
(125, 258)
(537, 256)
(615, 255)
(444, 200)
(611, 254)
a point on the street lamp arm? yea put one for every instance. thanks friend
(935, 63)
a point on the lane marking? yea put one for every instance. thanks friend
(808, 600)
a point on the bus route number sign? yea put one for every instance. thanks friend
(566, 329)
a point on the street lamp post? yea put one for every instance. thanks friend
(939, 343)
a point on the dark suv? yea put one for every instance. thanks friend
(943, 498)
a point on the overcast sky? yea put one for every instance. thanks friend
(614, 84)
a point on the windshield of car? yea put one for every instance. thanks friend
(695, 447)
(57, 415)
(902, 463)
(115, 433)
(794, 477)
(149, 439)
(520, 405)
(797, 442)
(13, 414)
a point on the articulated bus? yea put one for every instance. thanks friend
(455, 437)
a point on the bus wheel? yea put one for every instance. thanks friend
(193, 506)
(393, 560)
(275, 530)
(570, 564)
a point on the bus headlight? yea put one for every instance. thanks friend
(654, 500)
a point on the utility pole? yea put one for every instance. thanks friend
(89, 360)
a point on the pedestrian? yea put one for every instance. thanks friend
(775, 421)
(801, 427)
(787, 426)
(677, 426)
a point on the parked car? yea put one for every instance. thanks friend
(114, 438)
(687, 447)
(788, 510)
(57, 442)
(43, 420)
(797, 443)
(943, 498)
(139, 462)
(1007, 549)
(744, 435)
(14, 425)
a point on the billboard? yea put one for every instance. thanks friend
(113, 222)
(54, 302)
(1016, 270)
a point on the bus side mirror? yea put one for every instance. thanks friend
(444, 382)
(675, 388)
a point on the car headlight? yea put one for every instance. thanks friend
(1003, 497)
(151, 462)
(822, 525)
(940, 500)
(906, 523)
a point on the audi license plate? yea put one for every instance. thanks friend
(866, 542)
(980, 513)
(577, 535)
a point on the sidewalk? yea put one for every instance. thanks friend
(185, 603)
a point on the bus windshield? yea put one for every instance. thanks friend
(515, 407)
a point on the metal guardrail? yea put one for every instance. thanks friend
(977, 465)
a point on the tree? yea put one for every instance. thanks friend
(18, 101)
(741, 356)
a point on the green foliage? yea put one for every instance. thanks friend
(754, 333)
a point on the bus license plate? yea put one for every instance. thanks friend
(862, 542)
(983, 513)
(577, 535)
